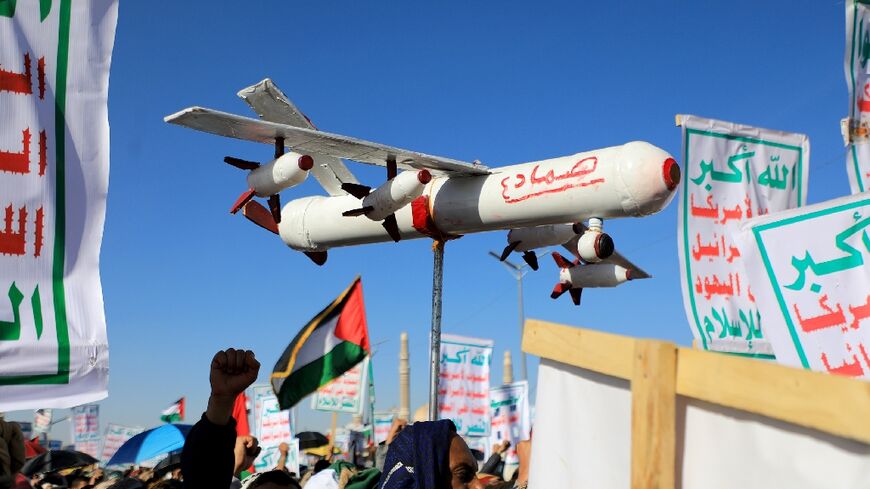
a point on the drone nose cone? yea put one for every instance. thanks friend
(650, 175)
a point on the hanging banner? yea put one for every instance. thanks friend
(731, 173)
(86, 429)
(54, 167)
(273, 428)
(509, 411)
(810, 272)
(41, 421)
(346, 394)
(115, 436)
(463, 386)
(382, 424)
(858, 79)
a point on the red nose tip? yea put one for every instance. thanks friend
(306, 162)
(671, 172)
(424, 176)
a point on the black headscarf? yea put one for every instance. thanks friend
(419, 457)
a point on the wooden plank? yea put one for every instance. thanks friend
(828, 403)
(653, 415)
(606, 353)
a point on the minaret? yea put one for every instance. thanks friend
(404, 379)
(508, 375)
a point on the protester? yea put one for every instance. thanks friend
(381, 452)
(11, 452)
(429, 455)
(495, 465)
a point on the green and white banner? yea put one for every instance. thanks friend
(54, 167)
(732, 173)
(810, 274)
(858, 79)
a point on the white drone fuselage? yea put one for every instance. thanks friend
(631, 180)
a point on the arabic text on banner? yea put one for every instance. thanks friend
(346, 393)
(86, 429)
(382, 423)
(272, 428)
(115, 436)
(857, 70)
(731, 173)
(463, 389)
(813, 283)
(509, 411)
(54, 164)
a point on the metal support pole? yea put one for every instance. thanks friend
(525, 373)
(435, 335)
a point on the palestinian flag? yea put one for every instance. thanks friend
(174, 413)
(328, 346)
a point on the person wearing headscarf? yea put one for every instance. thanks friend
(429, 455)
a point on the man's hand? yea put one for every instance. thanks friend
(502, 447)
(246, 450)
(283, 448)
(397, 426)
(233, 371)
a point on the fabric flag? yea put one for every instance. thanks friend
(856, 128)
(329, 345)
(174, 413)
(54, 177)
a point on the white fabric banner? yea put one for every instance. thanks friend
(858, 79)
(346, 394)
(463, 386)
(86, 429)
(509, 411)
(812, 281)
(382, 422)
(54, 168)
(731, 173)
(273, 428)
(115, 436)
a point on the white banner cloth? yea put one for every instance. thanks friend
(463, 386)
(731, 173)
(54, 169)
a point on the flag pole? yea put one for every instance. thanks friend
(435, 334)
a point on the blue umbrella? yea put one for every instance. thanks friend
(151, 443)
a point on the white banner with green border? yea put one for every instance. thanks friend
(810, 272)
(54, 168)
(858, 79)
(732, 173)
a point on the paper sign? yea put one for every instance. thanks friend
(858, 79)
(345, 394)
(812, 270)
(115, 436)
(273, 428)
(509, 411)
(41, 421)
(54, 165)
(731, 173)
(86, 429)
(463, 386)
(382, 424)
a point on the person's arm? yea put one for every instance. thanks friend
(283, 449)
(524, 452)
(208, 459)
(246, 450)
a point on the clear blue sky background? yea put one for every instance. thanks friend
(503, 82)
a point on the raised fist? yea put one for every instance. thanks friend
(232, 371)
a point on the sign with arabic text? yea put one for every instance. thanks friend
(345, 394)
(463, 386)
(510, 420)
(382, 423)
(115, 436)
(54, 169)
(41, 421)
(811, 271)
(86, 429)
(272, 428)
(731, 173)
(858, 79)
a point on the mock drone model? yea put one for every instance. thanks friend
(541, 203)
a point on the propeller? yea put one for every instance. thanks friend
(245, 198)
(362, 191)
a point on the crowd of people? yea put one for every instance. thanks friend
(422, 455)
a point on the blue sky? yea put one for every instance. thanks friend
(503, 82)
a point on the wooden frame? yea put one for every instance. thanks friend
(659, 371)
